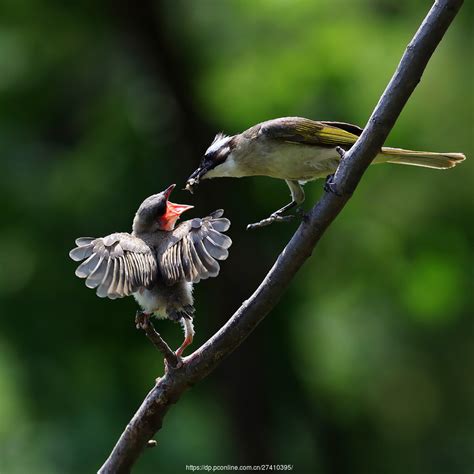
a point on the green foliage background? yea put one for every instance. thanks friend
(367, 363)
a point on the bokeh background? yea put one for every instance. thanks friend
(367, 363)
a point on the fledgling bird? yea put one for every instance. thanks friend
(297, 150)
(157, 263)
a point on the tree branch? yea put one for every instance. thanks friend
(168, 389)
(170, 357)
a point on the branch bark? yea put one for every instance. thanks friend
(168, 389)
(170, 357)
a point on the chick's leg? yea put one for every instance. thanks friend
(188, 327)
(297, 198)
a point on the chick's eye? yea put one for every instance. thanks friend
(160, 209)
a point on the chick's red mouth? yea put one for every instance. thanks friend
(173, 211)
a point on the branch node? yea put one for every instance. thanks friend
(169, 368)
(172, 361)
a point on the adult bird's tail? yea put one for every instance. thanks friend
(425, 159)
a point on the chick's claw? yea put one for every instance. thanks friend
(142, 319)
(169, 368)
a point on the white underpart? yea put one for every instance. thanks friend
(157, 302)
(278, 160)
(228, 169)
(151, 303)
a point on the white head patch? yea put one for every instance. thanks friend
(219, 143)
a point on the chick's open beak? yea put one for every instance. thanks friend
(173, 211)
(169, 190)
(176, 209)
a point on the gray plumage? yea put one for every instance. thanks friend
(157, 266)
(121, 264)
(117, 265)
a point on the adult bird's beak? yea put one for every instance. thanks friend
(193, 180)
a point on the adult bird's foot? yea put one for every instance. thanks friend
(330, 186)
(341, 152)
(275, 217)
(299, 211)
(142, 319)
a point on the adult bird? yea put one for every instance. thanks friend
(297, 150)
(158, 262)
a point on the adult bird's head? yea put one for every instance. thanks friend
(216, 162)
(158, 213)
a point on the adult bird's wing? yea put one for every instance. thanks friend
(117, 265)
(192, 251)
(309, 132)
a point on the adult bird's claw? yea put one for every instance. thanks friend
(270, 220)
(341, 152)
(330, 186)
(299, 211)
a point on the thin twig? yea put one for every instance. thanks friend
(171, 358)
(149, 417)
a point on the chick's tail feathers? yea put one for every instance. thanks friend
(425, 159)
